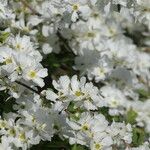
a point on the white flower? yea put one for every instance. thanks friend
(6, 59)
(145, 3)
(21, 44)
(23, 26)
(35, 73)
(75, 7)
(82, 94)
(120, 131)
(46, 48)
(143, 113)
(91, 130)
(115, 99)
(103, 141)
(5, 145)
(94, 65)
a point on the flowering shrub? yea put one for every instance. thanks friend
(75, 74)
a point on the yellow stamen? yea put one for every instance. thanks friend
(18, 46)
(85, 127)
(32, 74)
(98, 146)
(78, 93)
(22, 137)
(91, 34)
(75, 7)
(8, 61)
(12, 132)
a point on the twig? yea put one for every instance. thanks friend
(28, 87)
(28, 6)
(33, 90)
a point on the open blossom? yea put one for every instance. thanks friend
(17, 66)
(25, 46)
(99, 68)
(21, 44)
(75, 7)
(35, 73)
(115, 100)
(83, 94)
(92, 130)
(7, 60)
(120, 131)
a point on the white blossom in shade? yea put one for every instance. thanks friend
(142, 13)
(142, 113)
(24, 26)
(5, 145)
(115, 99)
(6, 59)
(91, 130)
(22, 44)
(98, 68)
(120, 131)
(16, 135)
(5, 12)
(46, 48)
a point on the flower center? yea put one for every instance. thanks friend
(85, 127)
(12, 132)
(8, 61)
(75, 7)
(18, 46)
(32, 74)
(98, 146)
(95, 15)
(78, 93)
(114, 103)
(22, 137)
(2, 124)
(91, 34)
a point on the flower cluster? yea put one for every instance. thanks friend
(75, 73)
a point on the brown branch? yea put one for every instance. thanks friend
(28, 87)
(33, 90)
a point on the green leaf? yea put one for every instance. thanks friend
(56, 65)
(105, 112)
(131, 116)
(78, 147)
(4, 36)
(138, 136)
(143, 94)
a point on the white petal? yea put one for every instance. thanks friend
(51, 95)
(39, 81)
(74, 83)
(42, 73)
(74, 17)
